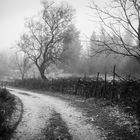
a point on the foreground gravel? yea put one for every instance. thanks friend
(39, 108)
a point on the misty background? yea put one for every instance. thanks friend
(78, 57)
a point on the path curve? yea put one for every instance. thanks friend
(38, 108)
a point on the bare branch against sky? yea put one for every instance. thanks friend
(13, 13)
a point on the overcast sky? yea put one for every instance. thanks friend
(13, 13)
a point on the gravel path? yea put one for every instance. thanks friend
(38, 109)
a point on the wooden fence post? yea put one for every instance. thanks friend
(105, 89)
(114, 73)
(52, 86)
(97, 79)
(76, 87)
(62, 86)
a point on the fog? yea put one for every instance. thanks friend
(78, 57)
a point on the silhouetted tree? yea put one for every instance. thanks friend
(42, 42)
(116, 18)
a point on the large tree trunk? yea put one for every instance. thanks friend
(42, 73)
(22, 77)
(43, 76)
(41, 69)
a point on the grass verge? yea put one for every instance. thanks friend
(7, 107)
(111, 120)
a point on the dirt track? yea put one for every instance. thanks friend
(39, 108)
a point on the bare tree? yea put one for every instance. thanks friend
(43, 41)
(23, 64)
(117, 18)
